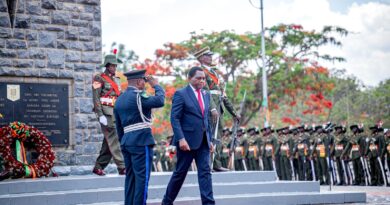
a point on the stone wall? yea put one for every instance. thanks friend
(57, 41)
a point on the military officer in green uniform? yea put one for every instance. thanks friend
(375, 145)
(105, 92)
(271, 144)
(320, 145)
(225, 151)
(354, 151)
(301, 149)
(285, 154)
(341, 141)
(215, 83)
(253, 149)
(241, 151)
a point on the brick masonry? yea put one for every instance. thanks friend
(57, 41)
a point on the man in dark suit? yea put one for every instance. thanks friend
(133, 111)
(192, 134)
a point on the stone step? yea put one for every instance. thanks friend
(92, 181)
(155, 192)
(281, 198)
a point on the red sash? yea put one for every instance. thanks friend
(212, 76)
(112, 83)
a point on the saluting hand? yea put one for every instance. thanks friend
(184, 145)
(152, 81)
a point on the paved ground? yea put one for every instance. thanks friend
(375, 195)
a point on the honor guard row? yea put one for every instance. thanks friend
(324, 153)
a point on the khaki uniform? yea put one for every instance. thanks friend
(104, 97)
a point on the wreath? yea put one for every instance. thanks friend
(16, 135)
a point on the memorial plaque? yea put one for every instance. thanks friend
(44, 106)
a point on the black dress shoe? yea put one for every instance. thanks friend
(221, 169)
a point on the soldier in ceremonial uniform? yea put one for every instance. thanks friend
(253, 150)
(341, 142)
(215, 83)
(225, 154)
(241, 151)
(375, 145)
(271, 144)
(353, 151)
(105, 92)
(285, 154)
(301, 148)
(320, 145)
(133, 111)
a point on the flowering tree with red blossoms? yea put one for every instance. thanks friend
(298, 85)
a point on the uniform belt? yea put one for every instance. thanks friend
(215, 92)
(137, 126)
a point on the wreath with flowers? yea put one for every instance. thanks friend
(13, 139)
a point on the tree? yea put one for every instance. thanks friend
(293, 71)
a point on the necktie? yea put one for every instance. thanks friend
(200, 102)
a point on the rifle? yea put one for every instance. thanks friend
(233, 143)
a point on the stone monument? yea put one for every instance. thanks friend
(49, 51)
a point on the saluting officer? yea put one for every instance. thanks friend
(105, 92)
(133, 111)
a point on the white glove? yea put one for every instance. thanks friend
(103, 120)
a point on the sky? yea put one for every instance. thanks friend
(144, 26)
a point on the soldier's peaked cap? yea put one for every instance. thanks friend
(318, 127)
(265, 128)
(353, 126)
(135, 74)
(203, 51)
(373, 128)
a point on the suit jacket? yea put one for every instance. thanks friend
(186, 117)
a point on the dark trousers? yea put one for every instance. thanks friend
(138, 161)
(302, 167)
(268, 163)
(184, 160)
(340, 170)
(358, 171)
(285, 168)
